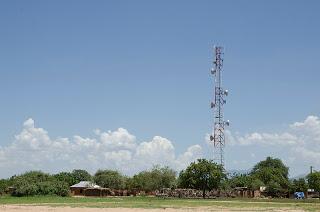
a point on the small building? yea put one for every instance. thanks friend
(246, 192)
(242, 192)
(79, 188)
(98, 192)
(311, 193)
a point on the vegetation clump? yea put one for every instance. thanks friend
(110, 179)
(202, 175)
(38, 183)
(154, 179)
(314, 181)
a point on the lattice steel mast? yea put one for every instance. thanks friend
(218, 136)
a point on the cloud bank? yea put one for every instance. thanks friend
(33, 149)
(298, 145)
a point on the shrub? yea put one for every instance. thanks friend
(274, 189)
(4, 184)
(157, 178)
(66, 177)
(110, 179)
(81, 175)
(314, 181)
(38, 183)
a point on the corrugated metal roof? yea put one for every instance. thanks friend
(85, 184)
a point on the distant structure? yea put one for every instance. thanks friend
(218, 135)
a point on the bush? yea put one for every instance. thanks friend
(240, 180)
(255, 184)
(81, 175)
(157, 178)
(299, 185)
(274, 189)
(272, 172)
(66, 177)
(38, 183)
(62, 189)
(314, 181)
(203, 175)
(110, 179)
(24, 188)
(4, 184)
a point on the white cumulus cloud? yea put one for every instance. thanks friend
(298, 144)
(34, 149)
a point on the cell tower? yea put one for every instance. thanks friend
(218, 136)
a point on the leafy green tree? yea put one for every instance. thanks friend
(240, 180)
(109, 179)
(38, 183)
(203, 174)
(314, 181)
(245, 180)
(299, 185)
(255, 183)
(67, 177)
(274, 189)
(156, 178)
(24, 188)
(163, 177)
(142, 181)
(81, 175)
(224, 185)
(41, 188)
(4, 184)
(272, 172)
(61, 188)
(33, 177)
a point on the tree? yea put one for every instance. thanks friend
(167, 177)
(4, 184)
(203, 174)
(299, 185)
(239, 180)
(110, 179)
(245, 180)
(142, 181)
(274, 189)
(67, 177)
(314, 181)
(73, 177)
(274, 173)
(156, 178)
(38, 183)
(81, 175)
(255, 183)
(33, 177)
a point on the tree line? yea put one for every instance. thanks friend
(202, 174)
(39, 183)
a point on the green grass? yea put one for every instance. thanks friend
(153, 202)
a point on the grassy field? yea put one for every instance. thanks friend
(153, 202)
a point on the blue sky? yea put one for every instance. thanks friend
(77, 66)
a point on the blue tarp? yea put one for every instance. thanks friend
(299, 195)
